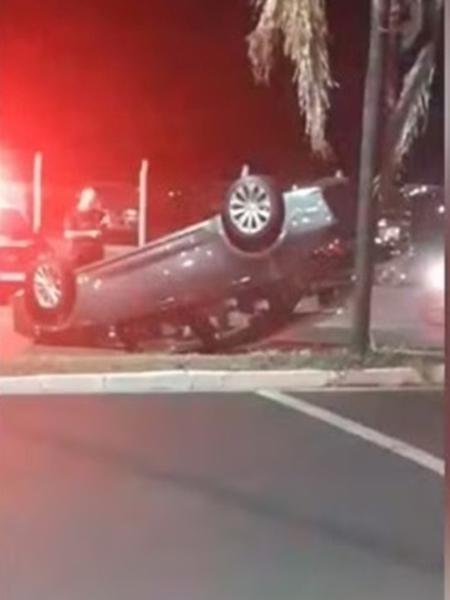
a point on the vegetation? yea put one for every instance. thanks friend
(403, 99)
(300, 29)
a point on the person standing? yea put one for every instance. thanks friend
(84, 227)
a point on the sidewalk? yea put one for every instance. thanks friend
(396, 322)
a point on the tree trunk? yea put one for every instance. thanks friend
(368, 168)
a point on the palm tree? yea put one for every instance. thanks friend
(407, 118)
(405, 114)
(300, 28)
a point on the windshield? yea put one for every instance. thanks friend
(14, 225)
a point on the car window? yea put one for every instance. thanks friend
(14, 225)
(312, 207)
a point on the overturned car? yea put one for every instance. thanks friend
(264, 246)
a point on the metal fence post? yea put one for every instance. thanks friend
(37, 192)
(143, 203)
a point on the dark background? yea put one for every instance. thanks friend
(99, 84)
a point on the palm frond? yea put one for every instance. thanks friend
(300, 26)
(415, 100)
(409, 118)
(262, 42)
(414, 22)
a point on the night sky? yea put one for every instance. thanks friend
(99, 84)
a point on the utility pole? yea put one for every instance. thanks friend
(368, 167)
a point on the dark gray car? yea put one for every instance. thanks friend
(265, 245)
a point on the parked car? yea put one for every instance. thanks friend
(264, 245)
(19, 247)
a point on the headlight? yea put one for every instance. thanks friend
(436, 276)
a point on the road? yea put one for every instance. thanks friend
(216, 497)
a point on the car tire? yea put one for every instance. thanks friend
(253, 213)
(50, 291)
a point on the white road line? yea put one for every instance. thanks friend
(394, 445)
(364, 389)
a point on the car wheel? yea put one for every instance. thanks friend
(253, 213)
(50, 290)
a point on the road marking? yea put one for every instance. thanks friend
(394, 445)
(364, 389)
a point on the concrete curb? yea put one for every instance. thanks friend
(217, 381)
(398, 377)
(436, 374)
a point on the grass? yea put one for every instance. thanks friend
(335, 360)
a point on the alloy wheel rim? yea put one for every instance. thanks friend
(250, 208)
(47, 287)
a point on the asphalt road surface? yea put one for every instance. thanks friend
(221, 497)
